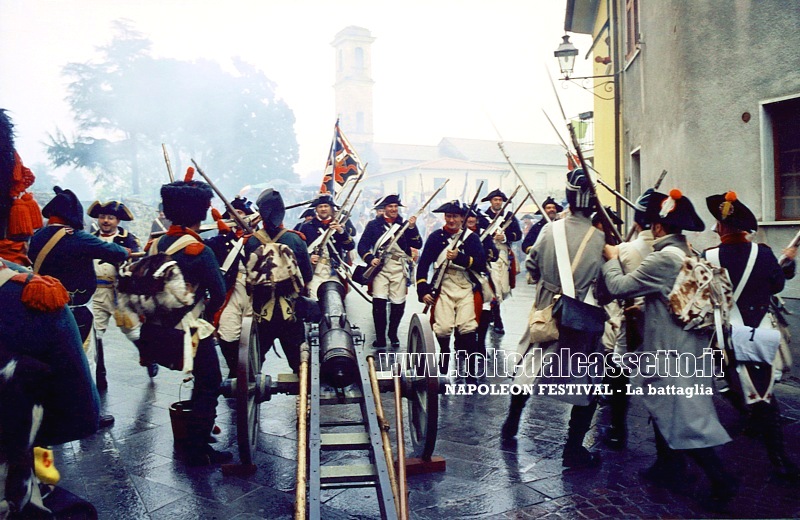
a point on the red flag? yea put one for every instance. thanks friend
(343, 164)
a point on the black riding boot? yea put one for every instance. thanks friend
(575, 455)
(768, 415)
(230, 351)
(379, 318)
(497, 319)
(444, 359)
(724, 486)
(100, 371)
(396, 311)
(198, 452)
(483, 328)
(511, 426)
(669, 470)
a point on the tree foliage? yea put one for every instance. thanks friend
(129, 102)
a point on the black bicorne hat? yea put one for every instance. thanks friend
(66, 206)
(611, 215)
(111, 207)
(242, 204)
(452, 206)
(323, 199)
(674, 210)
(728, 209)
(550, 200)
(271, 208)
(494, 193)
(308, 213)
(388, 199)
(186, 202)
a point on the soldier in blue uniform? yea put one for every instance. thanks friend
(503, 269)
(457, 300)
(477, 223)
(186, 204)
(751, 383)
(325, 260)
(104, 303)
(552, 208)
(390, 284)
(47, 392)
(274, 308)
(64, 251)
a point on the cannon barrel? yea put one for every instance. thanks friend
(339, 365)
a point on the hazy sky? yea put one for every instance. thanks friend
(440, 66)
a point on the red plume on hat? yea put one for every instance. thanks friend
(19, 213)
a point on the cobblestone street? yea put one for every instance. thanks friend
(130, 471)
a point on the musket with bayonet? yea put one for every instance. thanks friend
(612, 235)
(340, 217)
(438, 276)
(231, 210)
(632, 229)
(169, 166)
(522, 181)
(383, 248)
(500, 218)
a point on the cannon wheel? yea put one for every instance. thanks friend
(247, 404)
(424, 389)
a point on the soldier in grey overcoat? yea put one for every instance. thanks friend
(542, 267)
(682, 424)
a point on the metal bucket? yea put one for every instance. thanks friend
(179, 414)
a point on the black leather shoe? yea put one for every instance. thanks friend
(106, 421)
(208, 456)
(580, 459)
(152, 369)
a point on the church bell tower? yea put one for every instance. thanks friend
(354, 84)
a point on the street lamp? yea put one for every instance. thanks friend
(566, 54)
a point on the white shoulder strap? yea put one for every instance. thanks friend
(179, 244)
(748, 270)
(562, 258)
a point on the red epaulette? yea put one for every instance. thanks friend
(301, 235)
(194, 249)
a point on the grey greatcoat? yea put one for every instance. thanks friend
(543, 268)
(685, 422)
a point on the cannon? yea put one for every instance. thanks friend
(334, 370)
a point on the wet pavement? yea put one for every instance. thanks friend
(130, 470)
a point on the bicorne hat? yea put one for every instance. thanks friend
(452, 206)
(112, 207)
(728, 209)
(675, 210)
(388, 199)
(550, 200)
(242, 204)
(494, 193)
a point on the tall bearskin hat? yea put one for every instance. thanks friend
(579, 192)
(111, 207)
(186, 202)
(728, 209)
(66, 206)
(493, 194)
(19, 213)
(242, 204)
(675, 210)
(271, 208)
